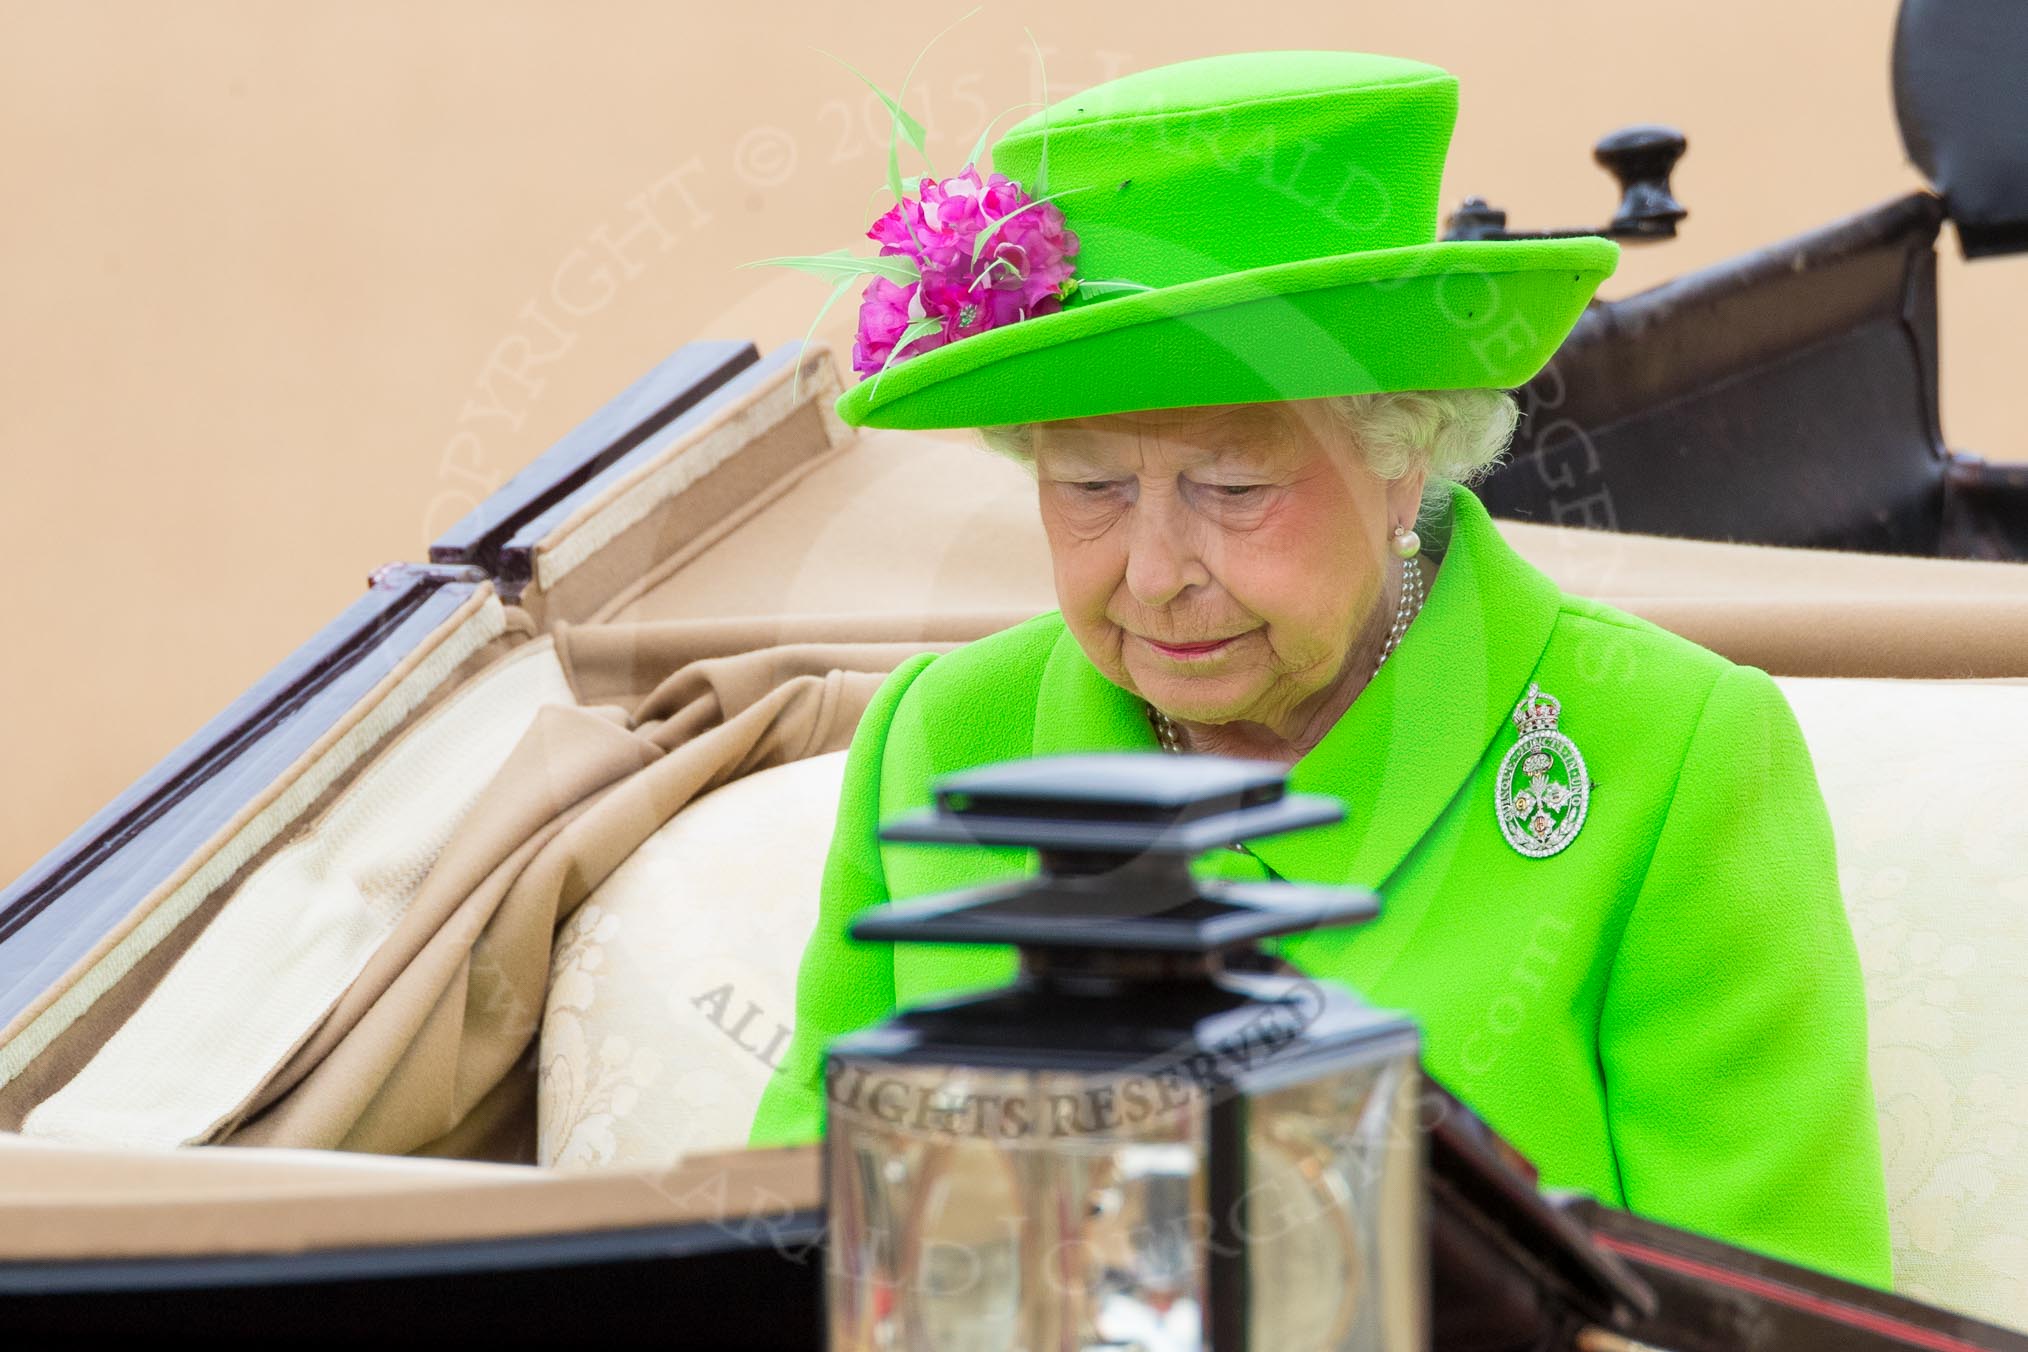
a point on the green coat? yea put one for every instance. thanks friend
(1667, 1015)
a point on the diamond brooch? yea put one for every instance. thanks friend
(1542, 789)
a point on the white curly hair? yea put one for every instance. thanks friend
(1456, 435)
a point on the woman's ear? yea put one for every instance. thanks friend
(1404, 499)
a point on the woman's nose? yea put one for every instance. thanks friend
(1162, 558)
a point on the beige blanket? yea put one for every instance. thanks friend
(430, 1051)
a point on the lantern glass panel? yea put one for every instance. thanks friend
(1334, 1212)
(995, 1208)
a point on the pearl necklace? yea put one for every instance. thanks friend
(1406, 609)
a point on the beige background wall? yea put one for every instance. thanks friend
(285, 287)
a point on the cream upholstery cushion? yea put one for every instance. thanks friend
(1928, 787)
(650, 1048)
(673, 986)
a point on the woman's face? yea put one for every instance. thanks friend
(1219, 562)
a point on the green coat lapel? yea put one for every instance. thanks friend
(1078, 709)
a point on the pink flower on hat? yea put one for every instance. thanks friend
(988, 255)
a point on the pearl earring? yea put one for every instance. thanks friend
(1407, 543)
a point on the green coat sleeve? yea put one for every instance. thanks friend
(1733, 1031)
(841, 985)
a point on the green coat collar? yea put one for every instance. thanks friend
(1410, 740)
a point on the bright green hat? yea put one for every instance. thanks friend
(1282, 208)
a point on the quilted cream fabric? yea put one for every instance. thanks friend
(1928, 787)
(673, 984)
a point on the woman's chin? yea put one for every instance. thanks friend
(1202, 699)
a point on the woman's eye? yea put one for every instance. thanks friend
(1093, 488)
(1238, 491)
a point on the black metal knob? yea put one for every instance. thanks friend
(1642, 158)
(1477, 219)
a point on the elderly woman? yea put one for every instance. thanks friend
(1610, 894)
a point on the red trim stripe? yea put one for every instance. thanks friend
(1887, 1326)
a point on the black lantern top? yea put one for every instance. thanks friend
(1114, 834)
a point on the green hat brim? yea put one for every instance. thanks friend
(1457, 314)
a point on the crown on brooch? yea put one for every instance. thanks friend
(1537, 712)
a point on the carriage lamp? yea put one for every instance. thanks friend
(1153, 1139)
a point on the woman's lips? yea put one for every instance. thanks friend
(1184, 652)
